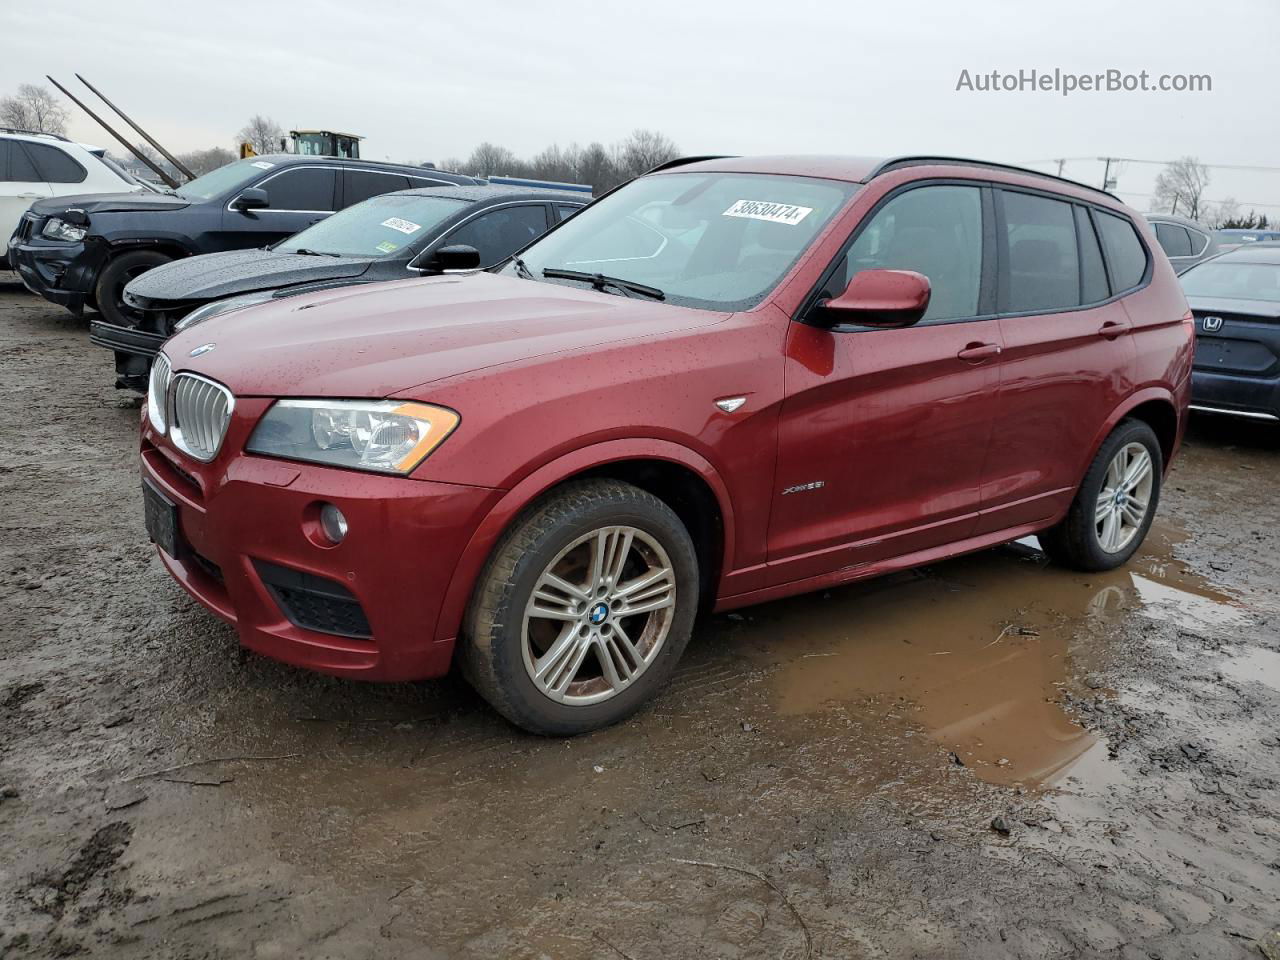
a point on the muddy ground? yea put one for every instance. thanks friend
(820, 780)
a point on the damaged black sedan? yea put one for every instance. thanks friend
(392, 237)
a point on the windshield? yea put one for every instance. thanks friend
(223, 179)
(376, 228)
(718, 241)
(1234, 280)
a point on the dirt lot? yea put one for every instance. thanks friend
(820, 780)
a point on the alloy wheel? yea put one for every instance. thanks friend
(598, 615)
(1125, 498)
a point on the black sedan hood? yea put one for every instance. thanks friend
(217, 275)
(92, 203)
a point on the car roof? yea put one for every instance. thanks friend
(1262, 251)
(862, 169)
(493, 191)
(424, 173)
(1174, 218)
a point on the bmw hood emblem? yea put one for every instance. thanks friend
(202, 349)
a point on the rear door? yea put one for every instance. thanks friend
(1068, 354)
(884, 433)
(297, 197)
(20, 187)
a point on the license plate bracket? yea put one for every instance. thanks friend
(161, 516)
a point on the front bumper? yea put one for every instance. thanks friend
(62, 273)
(1257, 397)
(248, 535)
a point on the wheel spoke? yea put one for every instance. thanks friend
(563, 676)
(556, 654)
(1138, 470)
(617, 669)
(545, 612)
(1105, 503)
(554, 589)
(1111, 531)
(1134, 514)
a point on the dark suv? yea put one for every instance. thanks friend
(83, 250)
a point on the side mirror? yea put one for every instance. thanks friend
(455, 256)
(251, 198)
(881, 298)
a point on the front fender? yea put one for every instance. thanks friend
(476, 553)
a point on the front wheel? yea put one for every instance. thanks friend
(108, 293)
(583, 610)
(1114, 507)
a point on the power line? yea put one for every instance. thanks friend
(1212, 166)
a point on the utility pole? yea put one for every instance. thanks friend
(1061, 163)
(1107, 182)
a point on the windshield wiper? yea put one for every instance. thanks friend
(600, 281)
(521, 269)
(314, 253)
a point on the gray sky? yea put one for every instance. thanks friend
(426, 81)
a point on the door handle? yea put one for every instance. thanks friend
(977, 352)
(1110, 330)
(29, 196)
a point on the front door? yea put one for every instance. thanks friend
(296, 198)
(884, 434)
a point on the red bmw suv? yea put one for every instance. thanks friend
(730, 380)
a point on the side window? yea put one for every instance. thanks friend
(15, 165)
(1093, 275)
(304, 188)
(54, 166)
(936, 231)
(565, 210)
(1126, 255)
(502, 232)
(1198, 241)
(418, 183)
(1043, 265)
(363, 184)
(1174, 239)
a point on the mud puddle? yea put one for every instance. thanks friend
(978, 652)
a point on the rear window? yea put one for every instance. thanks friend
(1125, 252)
(1044, 264)
(54, 166)
(1173, 239)
(1233, 280)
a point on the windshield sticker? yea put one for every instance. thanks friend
(386, 246)
(787, 213)
(262, 164)
(404, 226)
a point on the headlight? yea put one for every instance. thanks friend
(57, 229)
(387, 436)
(219, 307)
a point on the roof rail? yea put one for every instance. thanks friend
(35, 133)
(894, 163)
(681, 161)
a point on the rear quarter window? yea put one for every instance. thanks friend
(1173, 239)
(1125, 253)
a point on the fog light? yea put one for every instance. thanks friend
(333, 523)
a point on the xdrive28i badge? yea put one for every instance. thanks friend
(202, 349)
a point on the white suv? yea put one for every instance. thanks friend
(34, 166)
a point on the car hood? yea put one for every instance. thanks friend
(385, 339)
(92, 203)
(1266, 309)
(217, 275)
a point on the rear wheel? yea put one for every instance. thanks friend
(1115, 505)
(584, 609)
(108, 293)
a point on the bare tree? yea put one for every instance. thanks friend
(491, 160)
(34, 108)
(1180, 187)
(261, 133)
(642, 151)
(201, 162)
(596, 168)
(1215, 215)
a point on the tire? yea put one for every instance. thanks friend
(1078, 541)
(115, 276)
(507, 642)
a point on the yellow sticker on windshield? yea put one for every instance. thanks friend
(787, 213)
(386, 246)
